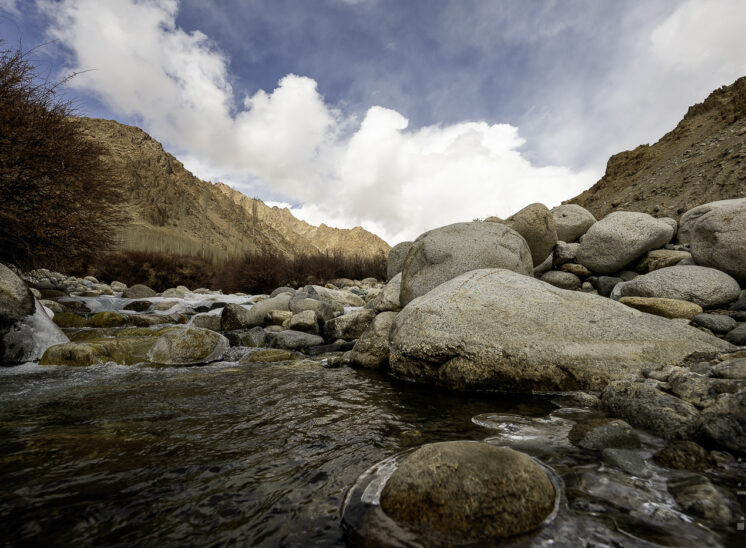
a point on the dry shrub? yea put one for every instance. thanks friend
(57, 207)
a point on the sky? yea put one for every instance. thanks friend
(396, 115)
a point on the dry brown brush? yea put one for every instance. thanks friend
(57, 207)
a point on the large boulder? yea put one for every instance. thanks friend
(442, 254)
(718, 239)
(188, 346)
(572, 221)
(26, 330)
(138, 291)
(536, 224)
(371, 351)
(621, 238)
(121, 350)
(349, 326)
(704, 286)
(496, 329)
(470, 491)
(396, 259)
(691, 218)
(388, 298)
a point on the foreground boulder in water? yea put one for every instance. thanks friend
(621, 238)
(444, 253)
(495, 329)
(26, 330)
(469, 491)
(189, 346)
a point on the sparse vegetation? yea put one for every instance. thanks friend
(253, 273)
(58, 207)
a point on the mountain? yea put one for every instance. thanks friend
(173, 211)
(702, 160)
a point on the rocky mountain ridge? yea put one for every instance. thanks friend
(702, 160)
(173, 211)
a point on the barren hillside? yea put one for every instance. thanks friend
(174, 211)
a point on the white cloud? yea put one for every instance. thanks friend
(394, 181)
(10, 6)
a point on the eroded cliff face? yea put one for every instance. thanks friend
(173, 211)
(702, 160)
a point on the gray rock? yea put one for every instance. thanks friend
(388, 298)
(138, 306)
(563, 280)
(691, 218)
(470, 491)
(544, 266)
(344, 346)
(626, 460)
(572, 221)
(189, 346)
(536, 224)
(371, 351)
(305, 321)
(179, 292)
(606, 285)
(496, 329)
(697, 496)
(717, 323)
(281, 290)
(294, 340)
(599, 434)
(324, 311)
(349, 326)
(704, 286)
(621, 238)
(444, 253)
(138, 291)
(730, 369)
(725, 422)
(237, 317)
(647, 407)
(396, 259)
(701, 390)
(338, 297)
(16, 301)
(564, 253)
(718, 240)
(254, 337)
(737, 335)
(207, 321)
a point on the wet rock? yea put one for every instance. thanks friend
(626, 460)
(611, 488)
(698, 497)
(599, 434)
(269, 355)
(117, 287)
(397, 254)
(207, 321)
(563, 280)
(724, 422)
(572, 221)
(706, 287)
(647, 407)
(683, 455)
(138, 291)
(188, 346)
(54, 306)
(371, 351)
(717, 323)
(348, 326)
(121, 350)
(500, 330)
(737, 335)
(254, 337)
(660, 258)
(70, 320)
(447, 252)
(718, 239)
(667, 308)
(701, 390)
(165, 305)
(179, 292)
(578, 399)
(108, 319)
(344, 346)
(305, 321)
(294, 340)
(138, 306)
(471, 491)
(536, 224)
(619, 239)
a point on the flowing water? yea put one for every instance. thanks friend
(265, 455)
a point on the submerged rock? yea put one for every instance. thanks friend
(270, 355)
(495, 329)
(472, 491)
(599, 434)
(683, 455)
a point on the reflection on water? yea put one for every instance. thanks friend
(259, 455)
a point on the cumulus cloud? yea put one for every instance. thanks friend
(288, 142)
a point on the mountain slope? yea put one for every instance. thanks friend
(173, 211)
(702, 160)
